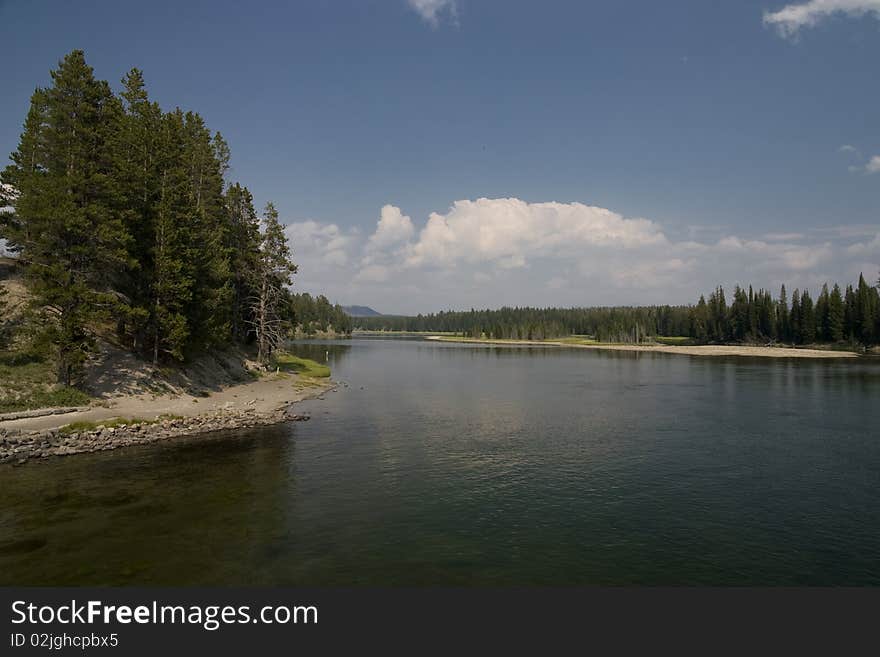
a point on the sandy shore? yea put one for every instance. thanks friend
(696, 350)
(261, 402)
(266, 395)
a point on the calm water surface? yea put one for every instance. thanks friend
(473, 465)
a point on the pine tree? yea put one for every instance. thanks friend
(783, 320)
(274, 273)
(739, 315)
(244, 246)
(700, 320)
(206, 158)
(66, 222)
(171, 253)
(136, 170)
(835, 315)
(718, 330)
(808, 319)
(865, 311)
(794, 318)
(823, 317)
(752, 315)
(849, 314)
(24, 173)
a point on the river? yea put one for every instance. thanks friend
(455, 464)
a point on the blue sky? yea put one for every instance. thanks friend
(711, 134)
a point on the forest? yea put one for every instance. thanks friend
(316, 315)
(124, 223)
(850, 317)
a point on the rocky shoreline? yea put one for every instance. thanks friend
(18, 447)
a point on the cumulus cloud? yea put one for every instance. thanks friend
(509, 231)
(848, 148)
(326, 242)
(321, 250)
(393, 228)
(792, 18)
(507, 251)
(432, 10)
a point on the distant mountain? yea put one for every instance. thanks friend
(361, 311)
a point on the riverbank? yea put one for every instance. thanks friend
(143, 418)
(682, 350)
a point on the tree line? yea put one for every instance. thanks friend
(851, 317)
(611, 324)
(317, 315)
(123, 220)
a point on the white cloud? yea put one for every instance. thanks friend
(871, 247)
(326, 242)
(506, 251)
(508, 231)
(320, 251)
(871, 166)
(393, 228)
(790, 19)
(432, 10)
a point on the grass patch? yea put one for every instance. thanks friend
(28, 382)
(675, 340)
(302, 366)
(578, 339)
(82, 426)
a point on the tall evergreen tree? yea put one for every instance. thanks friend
(752, 314)
(171, 251)
(244, 246)
(849, 314)
(275, 271)
(137, 161)
(206, 158)
(823, 315)
(865, 311)
(739, 314)
(66, 222)
(700, 320)
(794, 318)
(807, 319)
(835, 315)
(783, 320)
